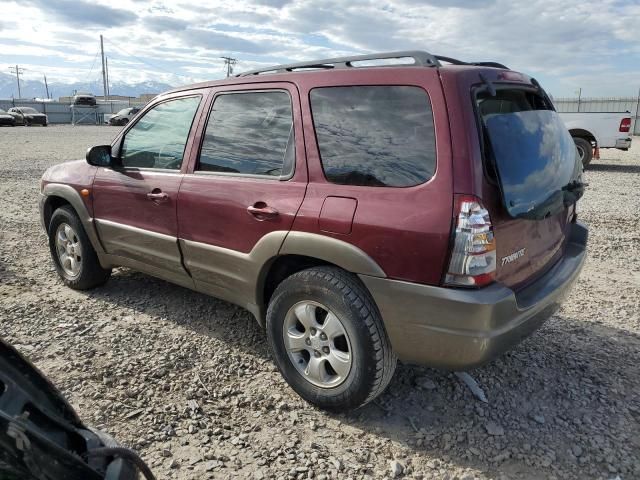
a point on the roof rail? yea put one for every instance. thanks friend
(420, 59)
(455, 61)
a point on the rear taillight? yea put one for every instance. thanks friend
(473, 258)
(625, 125)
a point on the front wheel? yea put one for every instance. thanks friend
(328, 339)
(585, 150)
(73, 255)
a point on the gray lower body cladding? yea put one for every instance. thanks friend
(458, 329)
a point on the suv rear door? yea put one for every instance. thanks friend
(531, 171)
(244, 187)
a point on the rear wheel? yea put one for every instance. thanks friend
(585, 150)
(73, 255)
(328, 339)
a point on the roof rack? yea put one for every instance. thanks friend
(420, 59)
(455, 61)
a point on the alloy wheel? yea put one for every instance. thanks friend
(69, 250)
(318, 344)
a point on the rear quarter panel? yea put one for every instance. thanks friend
(405, 230)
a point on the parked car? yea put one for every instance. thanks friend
(592, 131)
(84, 99)
(29, 116)
(7, 119)
(124, 116)
(362, 214)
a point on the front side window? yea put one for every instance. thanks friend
(158, 139)
(250, 133)
(375, 135)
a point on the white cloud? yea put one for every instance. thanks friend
(593, 44)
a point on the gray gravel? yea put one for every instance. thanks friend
(187, 380)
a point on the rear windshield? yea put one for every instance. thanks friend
(531, 151)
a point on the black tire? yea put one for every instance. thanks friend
(373, 360)
(124, 121)
(585, 150)
(91, 274)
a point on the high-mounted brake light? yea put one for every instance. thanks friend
(473, 258)
(625, 125)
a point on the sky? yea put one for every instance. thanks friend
(566, 44)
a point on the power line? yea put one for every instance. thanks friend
(93, 64)
(144, 61)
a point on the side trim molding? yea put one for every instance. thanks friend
(332, 250)
(231, 275)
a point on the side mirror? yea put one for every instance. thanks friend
(100, 156)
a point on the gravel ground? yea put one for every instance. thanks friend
(188, 381)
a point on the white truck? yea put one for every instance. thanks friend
(592, 131)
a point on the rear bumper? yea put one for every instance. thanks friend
(623, 143)
(458, 329)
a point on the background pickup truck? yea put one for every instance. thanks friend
(592, 131)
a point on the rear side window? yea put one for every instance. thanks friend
(250, 133)
(375, 135)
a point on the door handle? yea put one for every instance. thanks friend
(157, 195)
(262, 211)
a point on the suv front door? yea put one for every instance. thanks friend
(242, 193)
(135, 202)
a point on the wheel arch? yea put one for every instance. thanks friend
(50, 205)
(57, 195)
(302, 250)
(582, 133)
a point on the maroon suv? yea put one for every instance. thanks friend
(364, 209)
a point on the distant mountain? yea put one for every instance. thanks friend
(35, 88)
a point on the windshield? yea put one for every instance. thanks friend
(28, 110)
(124, 111)
(2, 111)
(533, 154)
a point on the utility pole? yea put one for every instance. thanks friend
(46, 87)
(104, 73)
(579, 97)
(18, 71)
(229, 63)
